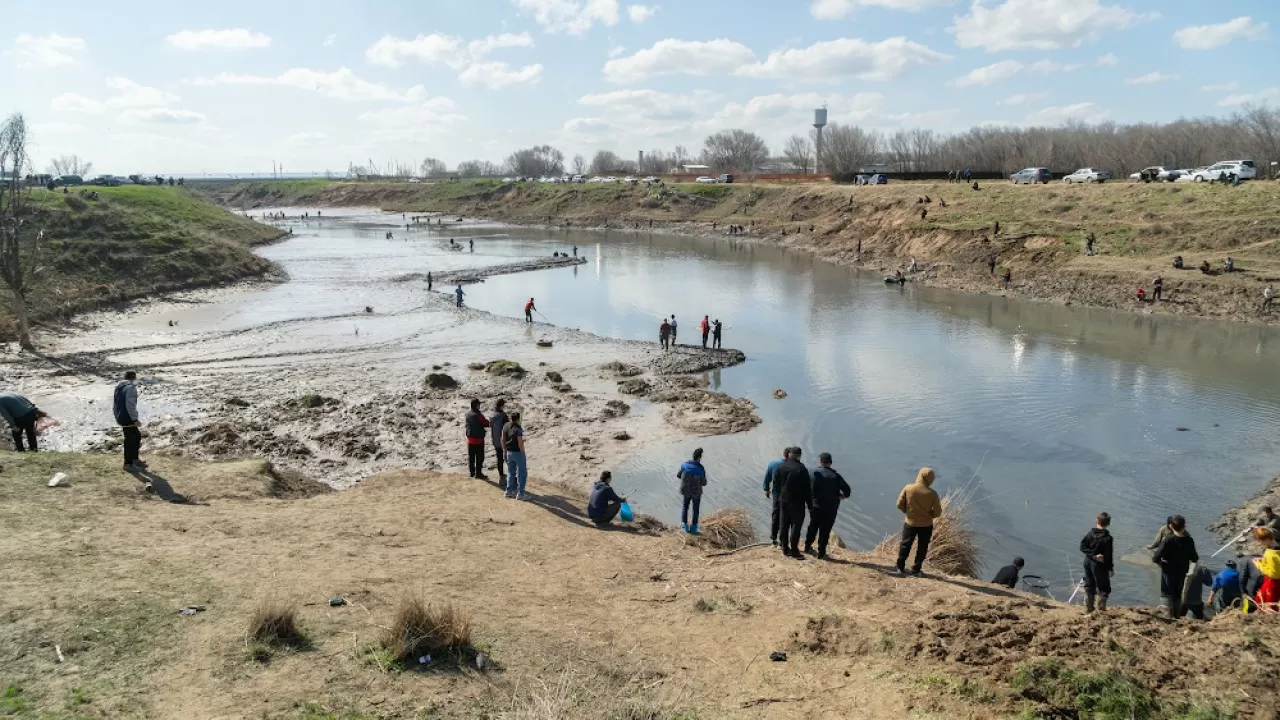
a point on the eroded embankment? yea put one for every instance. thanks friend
(962, 238)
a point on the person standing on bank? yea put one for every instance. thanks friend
(476, 423)
(705, 327)
(517, 460)
(496, 422)
(693, 477)
(21, 415)
(674, 329)
(125, 407)
(715, 333)
(771, 488)
(793, 483)
(1097, 546)
(829, 488)
(920, 503)
(1175, 557)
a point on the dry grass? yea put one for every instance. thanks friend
(422, 629)
(275, 622)
(954, 548)
(728, 528)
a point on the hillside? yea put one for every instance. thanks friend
(1139, 228)
(132, 242)
(573, 621)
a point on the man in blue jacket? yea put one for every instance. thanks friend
(125, 407)
(693, 477)
(605, 502)
(828, 489)
(1226, 587)
(771, 492)
(21, 415)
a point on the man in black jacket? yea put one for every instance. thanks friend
(1098, 567)
(828, 488)
(1008, 575)
(793, 485)
(1174, 556)
(476, 423)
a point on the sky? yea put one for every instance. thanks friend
(242, 87)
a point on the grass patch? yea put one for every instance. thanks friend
(1104, 693)
(504, 367)
(274, 626)
(728, 528)
(885, 642)
(422, 634)
(971, 690)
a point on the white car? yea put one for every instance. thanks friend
(1087, 175)
(1159, 172)
(1188, 175)
(1244, 169)
(707, 180)
(414, 180)
(596, 180)
(650, 179)
(629, 179)
(611, 179)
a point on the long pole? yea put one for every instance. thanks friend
(1073, 592)
(1234, 540)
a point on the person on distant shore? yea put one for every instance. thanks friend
(991, 265)
(1098, 547)
(1157, 287)
(472, 243)
(458, 292)
(1269, 519)
(1088, 244)
(604, 503)
(793, 482)
(429, 281)
(20, 414)
(705, 327)
(1008, 575)
(497, 421)
(1008, 277)
(1163, 534)
(1175, 557)
(476, 423)
(125, 409)
(575, 251)
(771, 488)
(517, 460)
(920, 503)
(1199, 578)
(1225, 588)
(529, 307)
(693, 477)
(664, 334)
(829, 488)
(673, 329)
(1268, 296)
(715, 334)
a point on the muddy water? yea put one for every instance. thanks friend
(1052, 413)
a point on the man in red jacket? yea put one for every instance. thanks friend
(705, 325)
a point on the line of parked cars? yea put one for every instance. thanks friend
(1243, 169)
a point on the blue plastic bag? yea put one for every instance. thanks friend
(626, 514)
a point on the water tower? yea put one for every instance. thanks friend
(819, 122)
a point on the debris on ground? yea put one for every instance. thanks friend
(779, 393)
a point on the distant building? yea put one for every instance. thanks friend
(695, 168)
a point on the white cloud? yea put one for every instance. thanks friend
(923, 118)
(836, 9)
(835, 60)
(306, 139)
(497, 75)
(1040, 24)
(1022, 98)
(408, 124)
(570, 16)
(1058, 114)
(990, 74)
(1224, 87)
(434, 48)
(162, 116)
(640, 13)
(71, 102)
(785, 114)
(616, 51)
(1208, 37)
(46, 51)
(1151, 78)
(652, 104)
(1258, 98)
(229, 39)
(128, 94)
(341, 84)
(1108, 60)
(1048, 67)
(330, 39)
(674, 57)
(480, 48)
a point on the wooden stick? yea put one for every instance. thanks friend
(744, 547)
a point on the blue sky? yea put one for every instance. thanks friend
(178, 87)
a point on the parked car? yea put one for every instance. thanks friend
(105, 181)
(650, 179)
(1244, 169)
(725, 178)
(878, 179)
(1087, 175)
(1155, 173)
(706, 180)
(579, 179)
(68, 180)
(1031, 176)
(1188, 175)
(414, 180)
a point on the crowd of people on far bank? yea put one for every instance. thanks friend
(711, 329)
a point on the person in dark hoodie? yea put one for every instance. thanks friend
(828, 489)
(476, 423)
(1175, 556)
(604, 504)
(693, 477)
(21, 415)
(496, 421)
(125, 408)
(771, 488)
(1199, 578)
(792, 482)
(1097, 546)
(1008, 575)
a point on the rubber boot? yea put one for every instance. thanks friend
(1088, 604)
(1102, 603)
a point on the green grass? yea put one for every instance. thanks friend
(1104, 693)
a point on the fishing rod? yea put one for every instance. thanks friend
(1234, 540)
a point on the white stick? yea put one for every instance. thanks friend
(58, 649)
(1233, 541)
(1073, 592)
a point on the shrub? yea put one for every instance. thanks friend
(275, 623)
(420, 629)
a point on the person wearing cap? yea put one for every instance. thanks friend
(920, 503)
(771, 488)
(1226, 587)
(1008, 575)
(828, 489)
(792, 482)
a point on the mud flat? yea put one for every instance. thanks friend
(475, 275)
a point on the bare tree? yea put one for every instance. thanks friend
(70, 165)
(679, 156)
(798, 154)
(847, 149)
(579, 165)
(477, 168)
(19, 244)
(737, 150)
(432, 167)
(605, 161)
(536, 161)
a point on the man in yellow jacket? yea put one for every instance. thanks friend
(921, 505)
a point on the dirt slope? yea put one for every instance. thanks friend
(575, 622)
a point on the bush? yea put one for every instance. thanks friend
(275, 623)
(420, 629)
